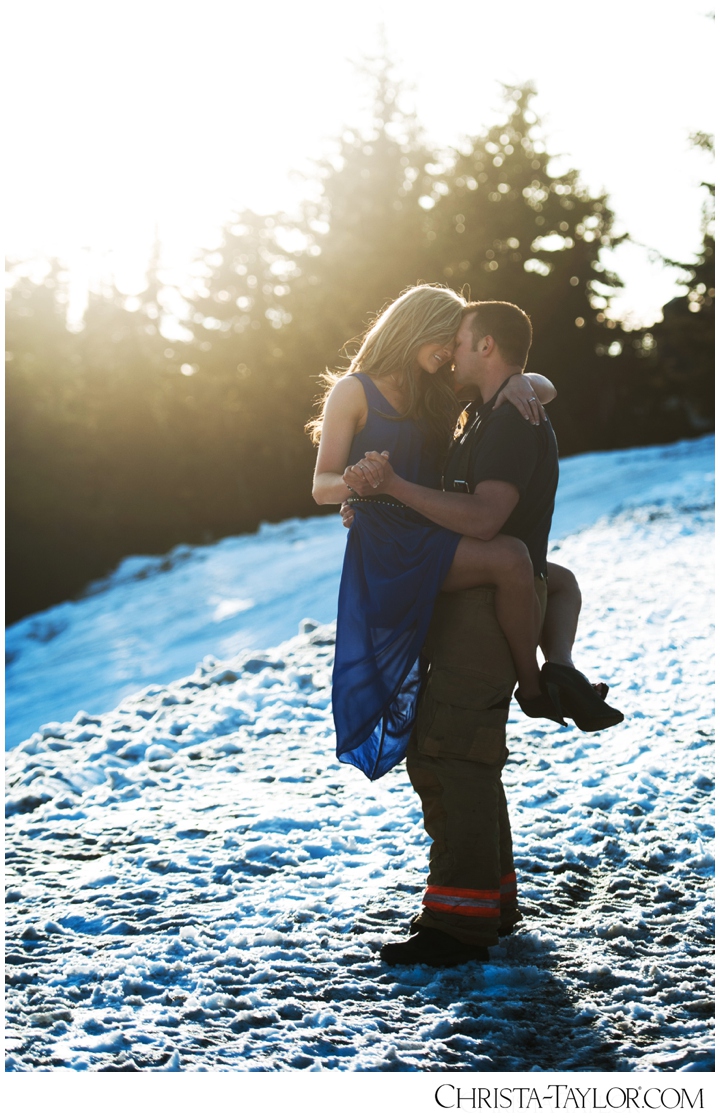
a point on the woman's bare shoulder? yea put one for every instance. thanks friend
(348, 385)
(348, 392)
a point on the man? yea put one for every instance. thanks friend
(501, 475)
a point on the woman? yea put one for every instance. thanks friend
(397, 396)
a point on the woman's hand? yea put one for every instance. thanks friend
(369, 475)
(381, 463)
(521, 393)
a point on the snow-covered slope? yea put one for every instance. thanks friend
(195, 883)
(154, 619)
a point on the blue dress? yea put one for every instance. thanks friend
(395, 563)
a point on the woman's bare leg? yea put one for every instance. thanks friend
(561, 616)
(504, 562)
(564, 602)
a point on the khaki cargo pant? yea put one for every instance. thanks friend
(455, 763)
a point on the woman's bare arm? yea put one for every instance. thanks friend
(528, 392)
(544, 388)
(345, 414)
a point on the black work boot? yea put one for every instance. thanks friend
(509, 922)
(432, 946)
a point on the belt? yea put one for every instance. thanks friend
(385, 500)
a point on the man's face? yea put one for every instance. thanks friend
(466, 360)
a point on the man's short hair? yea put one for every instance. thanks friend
(509, 326)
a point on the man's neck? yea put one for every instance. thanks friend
(491, 379)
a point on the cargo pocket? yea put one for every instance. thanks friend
(463, 715)
(466, 688)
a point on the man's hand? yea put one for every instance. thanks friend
(520, 392)
(368, 476)
(348, 515)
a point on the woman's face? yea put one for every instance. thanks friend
(432, 355)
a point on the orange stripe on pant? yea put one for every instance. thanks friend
(508, 887)
(460, 900)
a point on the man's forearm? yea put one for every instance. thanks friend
(463, 513)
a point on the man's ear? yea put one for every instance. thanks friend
(486, 345)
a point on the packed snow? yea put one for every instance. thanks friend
(194, 883)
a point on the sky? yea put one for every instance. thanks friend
(127, 117)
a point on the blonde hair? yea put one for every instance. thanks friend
(425, 313)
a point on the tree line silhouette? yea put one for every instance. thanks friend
(121, 441)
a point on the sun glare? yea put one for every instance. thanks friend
(159, 120)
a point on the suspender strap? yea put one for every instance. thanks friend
(461, 450)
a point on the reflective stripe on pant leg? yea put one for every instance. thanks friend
(456, 900)
(459, 800)
(508, 889)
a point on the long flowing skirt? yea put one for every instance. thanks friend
(395, 563)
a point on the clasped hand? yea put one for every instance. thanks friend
(371, 475)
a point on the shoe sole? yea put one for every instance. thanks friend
(596, 725)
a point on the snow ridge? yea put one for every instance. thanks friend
(156, 617)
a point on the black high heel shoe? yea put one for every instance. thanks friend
(545, 706)
(578, 698)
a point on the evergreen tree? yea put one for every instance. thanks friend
(667, 388)
(87, 461)
(46, 424)
(120, 441)
(244, 419)
(686, 337)
(499, 221)
(364, 230)
(269, 319)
